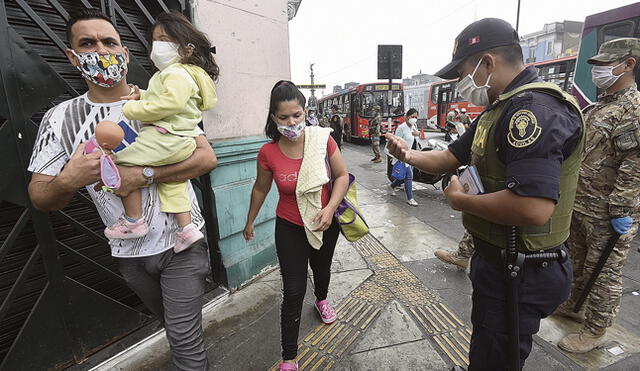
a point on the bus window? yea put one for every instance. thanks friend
(366, 109)
(346, 104)
(369, 99)
(434, 93)
(616, 30)
(456, 95)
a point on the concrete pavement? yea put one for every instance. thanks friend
(399, 307)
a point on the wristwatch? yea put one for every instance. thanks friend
(148, 173)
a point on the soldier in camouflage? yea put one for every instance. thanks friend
(374, 133)
(461, 257)
(607, 192)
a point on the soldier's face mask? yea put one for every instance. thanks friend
(603, 76)
(470, 91)
(104, 70)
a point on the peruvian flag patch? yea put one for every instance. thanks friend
(474, 40)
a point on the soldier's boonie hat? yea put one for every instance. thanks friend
(376, 107)
(485, 34)
(614, 50)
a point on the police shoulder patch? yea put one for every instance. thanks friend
(523, 129)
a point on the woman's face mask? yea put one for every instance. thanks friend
(292, 132)
(289, 119)
(603, 77)
(104, 70)
(413, 121)
(477, 95)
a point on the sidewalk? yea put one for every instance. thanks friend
(399, 307)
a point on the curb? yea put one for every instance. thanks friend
(152, 341)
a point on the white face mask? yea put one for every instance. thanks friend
(473, 93)
(412, 121)
(292, 132)
(603, 76)
(164, 54)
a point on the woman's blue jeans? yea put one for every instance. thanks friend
(408, 182)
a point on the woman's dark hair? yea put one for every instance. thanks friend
(334, 106)
(282, 91)
(185, 34)
(411, 111)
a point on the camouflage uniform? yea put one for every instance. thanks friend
(465, 247)
(375, 125)
(607, 188)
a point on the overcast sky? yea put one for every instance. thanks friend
(341, 36)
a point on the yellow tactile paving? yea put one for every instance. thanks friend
(326, 344)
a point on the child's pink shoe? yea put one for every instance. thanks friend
(326, 311)
(124, 229)
(190, 234)
(284, 366)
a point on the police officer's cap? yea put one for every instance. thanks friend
(485, 34)
(615, 50)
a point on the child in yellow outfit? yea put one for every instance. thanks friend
(171, 110)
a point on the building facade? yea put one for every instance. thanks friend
(555, 40)
(235, 126)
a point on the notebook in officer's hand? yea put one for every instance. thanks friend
(471, 181)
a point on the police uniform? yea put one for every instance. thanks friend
(375, 125)
(528, 141)
(607, 188)
(336, 124)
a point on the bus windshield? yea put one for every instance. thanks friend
(372, 98)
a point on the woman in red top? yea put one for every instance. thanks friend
(280, 161)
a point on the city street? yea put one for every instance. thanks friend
(399, 307)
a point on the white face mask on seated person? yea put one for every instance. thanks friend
(412, 121)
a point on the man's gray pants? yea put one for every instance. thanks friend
(172, 286)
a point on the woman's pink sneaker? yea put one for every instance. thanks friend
(285, 366)
(327, 313)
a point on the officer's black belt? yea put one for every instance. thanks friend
(493, 254)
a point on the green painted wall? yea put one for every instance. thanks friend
(232, 182)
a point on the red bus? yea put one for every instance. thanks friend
(443, 98)
(558, 71)
(356, 107)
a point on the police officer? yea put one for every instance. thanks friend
(526, 146)
(606, 198)
(375, 126)
(335, 123)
